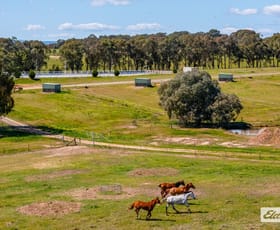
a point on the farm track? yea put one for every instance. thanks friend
(178, 152)
(155, 81)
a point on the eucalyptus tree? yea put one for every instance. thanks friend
(174, 48)
(247, 41)
(185, 52)
(72, 54)
(12, 56)
(35, 55)
(273, 44)
(121, 59)
(199, 49)
(194, 98)
(227, 48)
(6, 87)
(92, 53)
(151, 48)
(108, 52)
(137, 51)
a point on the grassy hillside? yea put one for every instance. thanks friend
(121, 113)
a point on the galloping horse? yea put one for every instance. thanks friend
(175, 191)
(148, 206)
(164, 186)
(179, 199)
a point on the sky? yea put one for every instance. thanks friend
(51, 20)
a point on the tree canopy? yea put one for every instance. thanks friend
(195, 99)
(6, 100)
(144, 52)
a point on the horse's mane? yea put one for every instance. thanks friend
(180, 182)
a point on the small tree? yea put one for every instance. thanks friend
(32, 74)
(194, 98)
(116, 73)
(95, 73)
(6, 100)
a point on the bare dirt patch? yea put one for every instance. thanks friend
(154, 172)
(69, 150)
(267, 136)
(187, 140)
(53, 175)
(52, 208)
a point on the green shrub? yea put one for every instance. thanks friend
(95, 73)
(32, 74)
(116, 72)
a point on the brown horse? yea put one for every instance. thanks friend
(148, 206)
(175, 191)
(164, 186)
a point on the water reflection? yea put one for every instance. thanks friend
(247, 132)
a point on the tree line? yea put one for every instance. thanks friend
(145, 52)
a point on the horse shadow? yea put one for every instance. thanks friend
(192, 212)
(156, 219)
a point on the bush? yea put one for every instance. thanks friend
(117, 72)
(32, 74)
(95, 73)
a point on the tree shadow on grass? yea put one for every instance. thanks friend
(24, 131)
(230, 125)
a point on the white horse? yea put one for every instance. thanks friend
(179, 199)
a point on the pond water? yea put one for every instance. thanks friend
(247, 132)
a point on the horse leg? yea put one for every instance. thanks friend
(166, 211)
(175, 209)
(162, 193)
(149, 215)
(137, 212)
(188, 207)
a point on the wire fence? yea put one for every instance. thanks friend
(60, 74)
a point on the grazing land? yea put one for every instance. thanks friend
(49, 183)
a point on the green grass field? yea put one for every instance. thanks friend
(232, 181)
(229, 193)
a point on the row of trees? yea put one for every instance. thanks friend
(173, 51)
(153, 52)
